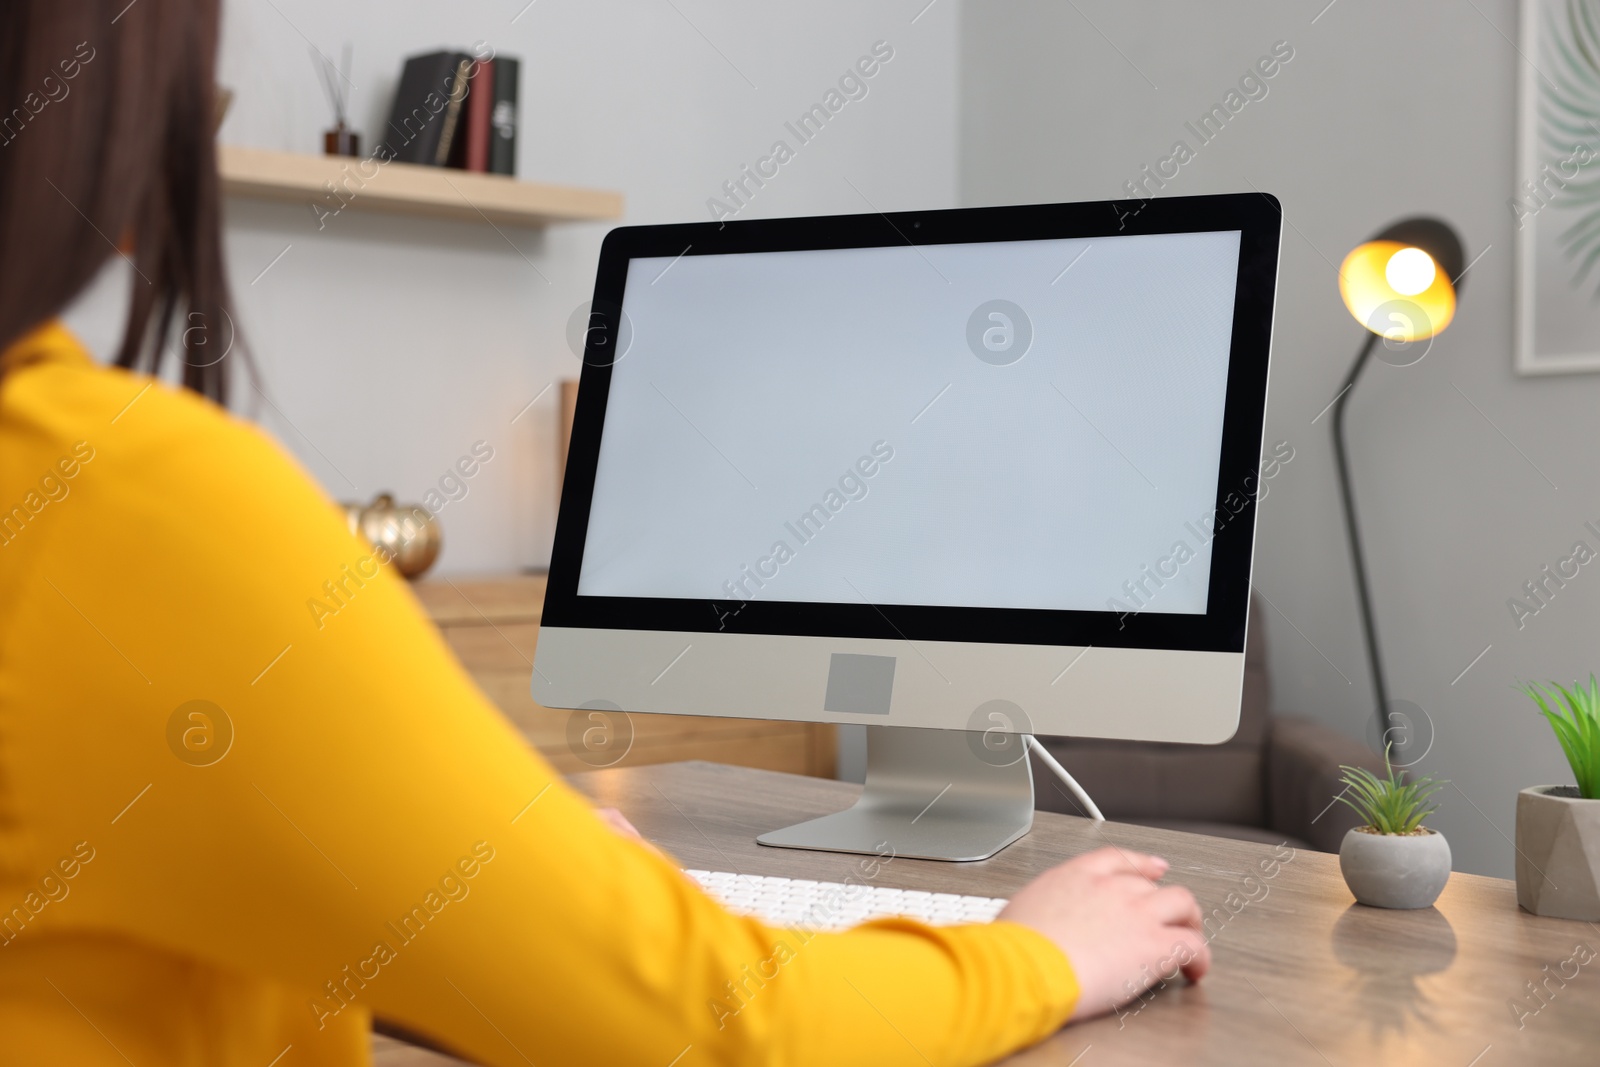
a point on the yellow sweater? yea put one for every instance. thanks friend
(229, 834)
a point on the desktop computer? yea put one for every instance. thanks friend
(960, 476)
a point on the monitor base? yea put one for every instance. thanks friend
(930, 795)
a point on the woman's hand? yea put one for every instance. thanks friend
(1121, 931)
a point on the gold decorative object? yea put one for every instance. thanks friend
(405, 534)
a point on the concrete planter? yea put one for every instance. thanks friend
(1395, 870)
(1558, 853)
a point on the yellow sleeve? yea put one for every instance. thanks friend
(376, 837)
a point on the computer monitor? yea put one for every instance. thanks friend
(957, 475)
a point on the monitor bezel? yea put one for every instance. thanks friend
(1257, 217)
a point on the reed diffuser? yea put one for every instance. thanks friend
(341, 140)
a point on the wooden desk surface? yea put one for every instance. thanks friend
(1302, 974)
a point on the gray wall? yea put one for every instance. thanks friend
(389, 345)
(1469, 478)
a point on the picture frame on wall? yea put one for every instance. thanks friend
(1555, 200)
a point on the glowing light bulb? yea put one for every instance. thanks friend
(1409, 271)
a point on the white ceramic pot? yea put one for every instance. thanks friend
(1558, 853)
(1395, 870)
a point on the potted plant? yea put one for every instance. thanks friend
(1392, 860)
(1558, 826)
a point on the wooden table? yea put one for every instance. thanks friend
(1302, 974)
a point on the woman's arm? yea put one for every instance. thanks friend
(376, 836)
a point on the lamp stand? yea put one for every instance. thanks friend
(1363, 597)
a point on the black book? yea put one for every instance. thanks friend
(427, 101)
(503, 140)
(452, 136)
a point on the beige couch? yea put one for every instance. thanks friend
(1274, 781)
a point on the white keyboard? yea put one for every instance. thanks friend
(836, 905)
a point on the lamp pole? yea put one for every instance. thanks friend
(1353, 533)
(1368, 289)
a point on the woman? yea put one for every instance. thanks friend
(232, 833)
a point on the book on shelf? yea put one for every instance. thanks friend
(450, 143)
(504, 117)
(427, 108)
(480, 109)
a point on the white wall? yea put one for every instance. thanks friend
(389, 345)
(1385, 110)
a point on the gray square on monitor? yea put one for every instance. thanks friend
(859, 685)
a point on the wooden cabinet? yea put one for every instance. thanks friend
(493, 626)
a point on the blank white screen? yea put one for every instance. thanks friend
(755, 383)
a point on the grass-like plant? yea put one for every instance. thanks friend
(1574, 714)
(1389, 805)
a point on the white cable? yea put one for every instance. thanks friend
(1061, 773)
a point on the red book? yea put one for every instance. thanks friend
(480, 110)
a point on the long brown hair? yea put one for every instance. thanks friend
(107, 110)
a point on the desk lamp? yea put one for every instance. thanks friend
(1401, 285)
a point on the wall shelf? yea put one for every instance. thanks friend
(407, 189)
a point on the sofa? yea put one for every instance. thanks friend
(1273, 782)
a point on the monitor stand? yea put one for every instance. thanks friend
(929, 794)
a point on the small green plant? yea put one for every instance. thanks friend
(1574, 714)
(1389, 805)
